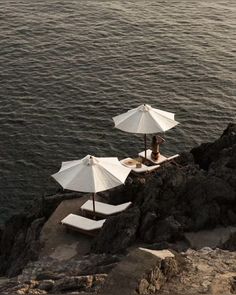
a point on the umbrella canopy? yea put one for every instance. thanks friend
(145, 119)
(91, 174)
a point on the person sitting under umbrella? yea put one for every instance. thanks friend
(155, 147)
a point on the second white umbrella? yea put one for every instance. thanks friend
(146, 120)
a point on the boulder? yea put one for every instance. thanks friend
(79, 283)
(46, 285)
(214, 238)
(142, 272)
(208, 199)
(230, 244)
(47, 268)
(207, 153)
(167, 230)
(26, 247)
(125, 193)
(146, 228)
(118, 232)
(19, 240)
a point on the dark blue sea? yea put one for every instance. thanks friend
(68, 66)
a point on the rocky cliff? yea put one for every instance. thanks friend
(195, 192)
(205, 271)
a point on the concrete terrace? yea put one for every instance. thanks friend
(60, 243)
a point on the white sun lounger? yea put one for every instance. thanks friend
(131, 163)
(82, 224)
(161, 159)
(104, 209)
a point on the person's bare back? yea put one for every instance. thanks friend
(155, 147)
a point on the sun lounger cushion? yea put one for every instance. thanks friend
(131, 163)
(103, 208)
(82, 223)
(173, 157)
(161, 158)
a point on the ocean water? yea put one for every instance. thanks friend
(68, 66)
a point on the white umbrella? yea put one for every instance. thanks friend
(145, 119)
(91, 174)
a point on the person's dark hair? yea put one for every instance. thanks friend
(154, 139)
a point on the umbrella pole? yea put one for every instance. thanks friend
(145, 145)
(94, 215)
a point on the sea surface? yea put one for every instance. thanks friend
(68, 66)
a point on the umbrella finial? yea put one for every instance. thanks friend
(89, 160)
(144, 108)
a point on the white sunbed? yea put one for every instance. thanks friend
(131, 163)
(104, 209)
(83, 224)
(161, 159)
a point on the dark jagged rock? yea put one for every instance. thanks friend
(65, 285)
(19, 237)
(180, 197)
(46, 285)
(205, 271)
(49, 203)
(48, 268)
(154, 230)
(19, 242)
(167, 229)
(230, 244)
(126, 193)
(29, 242)
(207, 199)
(79, 283)
(145, 231)
(49, 275)
(118, 232)
(207, 153)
